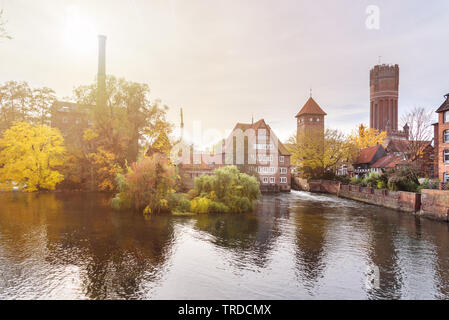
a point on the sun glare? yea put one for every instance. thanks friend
(79, 33)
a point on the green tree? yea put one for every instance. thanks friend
(128, 119)
(19, 102)
(228, 190)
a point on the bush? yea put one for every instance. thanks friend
(146, 186)
(427, 184)
(218, 207)
(231, 190)
(200, 205)
(355, 181)
(343, 179)
(403, 179)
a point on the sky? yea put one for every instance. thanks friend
(226, 61)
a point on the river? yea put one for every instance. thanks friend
(294, 246)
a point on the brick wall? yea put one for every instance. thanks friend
(399, 200)
(435, 203)
(430, 203)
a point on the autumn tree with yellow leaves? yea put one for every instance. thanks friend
(30, 156)
(364, 138)
(316, 154)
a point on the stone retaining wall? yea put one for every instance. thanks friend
(435, 203)
(430, 203)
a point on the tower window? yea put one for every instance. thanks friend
(446, 136)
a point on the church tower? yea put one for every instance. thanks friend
(310, 119)
(384, 92)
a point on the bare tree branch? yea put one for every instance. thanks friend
(419, 121)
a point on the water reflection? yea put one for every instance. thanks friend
(293, 246)
(108, 254)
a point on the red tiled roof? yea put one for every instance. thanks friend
(387, 162)
(311, 107)
(256, 125)
(398, 145)
(366, 155)
(404, 145)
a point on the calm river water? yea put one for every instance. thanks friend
(295, 246)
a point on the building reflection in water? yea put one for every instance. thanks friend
(311, 229)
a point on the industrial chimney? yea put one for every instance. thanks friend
(101, 77)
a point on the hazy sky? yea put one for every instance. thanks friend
(223, 61)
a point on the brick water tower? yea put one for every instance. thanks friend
(384, 92)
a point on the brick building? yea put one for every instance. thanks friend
(71, 119)
(441, 141)
(263, 155)
(310, 120)
(384, 94)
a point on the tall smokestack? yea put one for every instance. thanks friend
(101, 77)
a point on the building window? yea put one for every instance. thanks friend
(283, 170)
(281, 159)
(64, 120)
(446, 156)
(446, 136)
(446, 117)
(311, 119)
(265, 180)
(318, 119)
(272, 179)
(77, 121)
(283, 180)
(446, 177)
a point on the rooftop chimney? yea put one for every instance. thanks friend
(101, 77)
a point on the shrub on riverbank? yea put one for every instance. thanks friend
(402, 179)
(228, 190)
(147, 185)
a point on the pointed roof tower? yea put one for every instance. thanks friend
(311, 107)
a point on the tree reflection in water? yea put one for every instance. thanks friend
(298, 245)
(112, 253)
